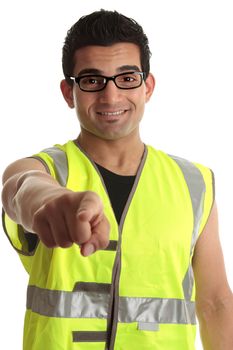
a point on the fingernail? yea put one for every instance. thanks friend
(89, 249)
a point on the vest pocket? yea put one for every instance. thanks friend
(89, 336)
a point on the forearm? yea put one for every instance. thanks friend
(25, 193)
(59, 216)
(216, 325)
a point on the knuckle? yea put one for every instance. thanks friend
(55, 204)
(81, 239)
(43, 216)
(37, 221)
(61, 239)
(66, 198)
(93, 196)
(80, 235)
(49, 243)
(65, 244)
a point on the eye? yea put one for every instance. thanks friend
(129, 78)
(126, 78)
(90, 81)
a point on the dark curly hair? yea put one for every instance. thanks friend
(104, 28)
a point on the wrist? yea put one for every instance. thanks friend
(33, 190)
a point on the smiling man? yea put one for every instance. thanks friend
(115, 103)
(115, 235)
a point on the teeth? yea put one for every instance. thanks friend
(111, 113)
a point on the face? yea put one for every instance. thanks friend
(112, 113)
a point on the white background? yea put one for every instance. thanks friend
(190, 114)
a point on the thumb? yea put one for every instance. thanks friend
(87, 249)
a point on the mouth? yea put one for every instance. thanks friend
(112, 114)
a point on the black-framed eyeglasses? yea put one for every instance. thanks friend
(125, 81)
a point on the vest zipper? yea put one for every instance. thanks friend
(112, 322)
(114, 294)
(114, 298)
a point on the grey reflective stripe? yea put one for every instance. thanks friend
(60, 163)
(156, 310)
(188, 283)
(89, 336)
(148, 326)
(197, 188)
(54, 303)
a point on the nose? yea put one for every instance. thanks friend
(110, 93)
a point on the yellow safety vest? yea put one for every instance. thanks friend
(139, 293)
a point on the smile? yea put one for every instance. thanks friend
(112, 113)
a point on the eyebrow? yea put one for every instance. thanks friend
(100, 72)
(128, 67)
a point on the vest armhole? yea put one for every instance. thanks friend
(43, 162)
(209, 199)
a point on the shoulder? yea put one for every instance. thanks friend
(52, 156)
(181, 162)
(199, 179)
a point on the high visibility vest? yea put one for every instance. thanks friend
(139, 292)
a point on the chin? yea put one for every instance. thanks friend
(107, 135)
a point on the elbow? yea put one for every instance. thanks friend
(216, 322)
(211, 308)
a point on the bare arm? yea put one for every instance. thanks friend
(214, 299)
(60, 217)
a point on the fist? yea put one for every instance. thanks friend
(73, 217)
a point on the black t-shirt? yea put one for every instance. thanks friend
(118, 187)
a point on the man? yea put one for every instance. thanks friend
(113, 232)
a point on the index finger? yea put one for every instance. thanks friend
(90, 208)
(99, 238)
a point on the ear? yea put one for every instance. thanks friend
(150, 85)
(67, 92)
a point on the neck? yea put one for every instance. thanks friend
(121, 156)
